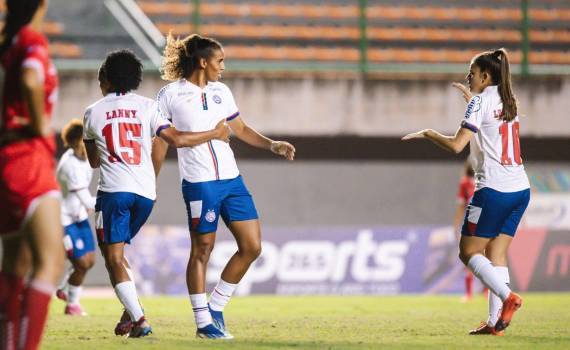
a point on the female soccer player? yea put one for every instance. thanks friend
(118, 131)
(74, 176)
(464, 195)
(30, 223)
(211, 183)
(502, 188)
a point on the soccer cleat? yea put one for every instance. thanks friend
(61, 294)
(74, 310)
(510, 305)
(125, 324)
(485, 329)
(218, 319)
(141, 328)
(212, 332)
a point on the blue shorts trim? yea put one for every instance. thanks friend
(207, 201)
(491, 212)
(78, 239)
(123, 214)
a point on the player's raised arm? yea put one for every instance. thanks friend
(454, 144)
(250, 136)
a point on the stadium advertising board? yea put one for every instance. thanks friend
(387, 260)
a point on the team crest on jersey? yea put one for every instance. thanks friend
(210, 215)
(473, 106)
(217, 99)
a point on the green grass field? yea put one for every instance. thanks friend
(270, 322)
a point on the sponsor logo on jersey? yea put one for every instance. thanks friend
(217, 99)
(210, 215)
(473, 106)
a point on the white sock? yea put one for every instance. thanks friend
(127, 294)
(65, 281)
(74, 293)
(200, 307)
(221, 295)
(485, 271)
(495, 303)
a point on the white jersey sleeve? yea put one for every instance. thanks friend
(474, 114)
(232, 111)
(157, 121)
(163, 103)
(88, 134)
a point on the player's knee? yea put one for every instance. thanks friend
(85, 263)
(201, 251)
(114, 262)
(252, 252)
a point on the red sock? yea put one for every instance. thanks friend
(469, 284)
(11, 292)
(34, 313)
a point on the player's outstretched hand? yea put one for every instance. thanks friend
(223, 130)
(284, 149)
(415, 135)
(464, 90)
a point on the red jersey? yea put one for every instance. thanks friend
(27, 168)
(30, 50)
(466, 190)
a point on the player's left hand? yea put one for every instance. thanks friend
(415, 135)
(284, 149)
(467, 95)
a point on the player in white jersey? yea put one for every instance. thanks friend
(502, 190)
(74, 176)
(211, 183)
(118, 135)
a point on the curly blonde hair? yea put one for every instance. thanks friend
(182, 56)
(72, 133)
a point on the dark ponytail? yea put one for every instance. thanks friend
(182, 57)
(496, 63)
(18, 14)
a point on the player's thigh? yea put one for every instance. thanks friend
(44, 232)
(471, 245)
(247, 234)
(497, 249)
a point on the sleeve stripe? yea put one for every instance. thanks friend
(88, 141)
(471, 127)
(162, 127)
(233, 116)
(35, 64)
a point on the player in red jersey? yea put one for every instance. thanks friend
(30, 224)
(464, 195)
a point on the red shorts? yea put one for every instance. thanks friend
(27, 172)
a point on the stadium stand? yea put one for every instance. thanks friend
(396, 32)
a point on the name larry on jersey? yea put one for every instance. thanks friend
(121, 113)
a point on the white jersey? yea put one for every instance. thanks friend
(73, 175)
(495, 149)
(122, 127)
(191, 108)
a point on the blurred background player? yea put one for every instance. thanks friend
(502, 188)
(30, 223)
(464, 195)
(118, 135)
(211, 182)
(74, 175)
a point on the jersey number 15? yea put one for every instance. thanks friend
(129, 148)
(504, 131)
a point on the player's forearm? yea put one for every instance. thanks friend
(254, 138)
(86, 199)
(179, 139)
(448, 143)
(33, 94)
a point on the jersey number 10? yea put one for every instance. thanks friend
(132, 148)
(504, 131)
